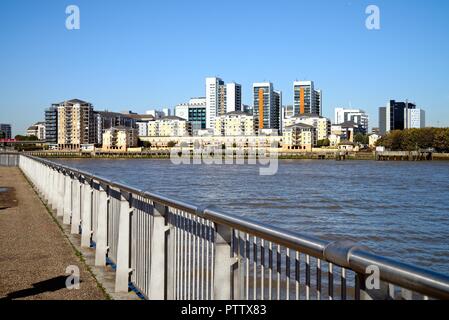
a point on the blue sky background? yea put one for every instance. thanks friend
(143, 54)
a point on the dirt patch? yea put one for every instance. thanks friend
(7, 198)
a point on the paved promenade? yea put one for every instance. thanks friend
(34, 252)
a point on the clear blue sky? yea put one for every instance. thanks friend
(143, 54)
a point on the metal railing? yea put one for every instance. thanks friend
(169, 249)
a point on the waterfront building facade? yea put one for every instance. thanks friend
(306, 98)
(267, 104)
(171, 126)
(299, 136)
(75, 124)
(236, 123)
(346, 131)
(105, 120)
(321, 124)
(6, 129)
(360, 117)
(119, 138)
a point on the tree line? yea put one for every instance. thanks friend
(414, 139)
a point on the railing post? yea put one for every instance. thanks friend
(102, 227)
(123, 249)
(60, 209)
(86, 214)
(67, 199)
(76, 212)
(223, 264)
(158, 254)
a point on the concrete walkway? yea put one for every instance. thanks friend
(34, 252)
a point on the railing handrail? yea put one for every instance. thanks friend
(345, 254)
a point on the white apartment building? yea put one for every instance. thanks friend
(142, 128)
(321, 124)
(236, 123)
(414, 118)
(357, 116)
(169, 127)
(214, 99)
(37, 130)
(221, 98)
(233, 97)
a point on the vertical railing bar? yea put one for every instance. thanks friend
(331, 281)
(307, 277)
(202, 257)
(318, 279)
(207, 234)
(262, 269)
(270, 270)
(189, 256)
(297, 275)
(278, 271)
(343, 284)
(247, 258)
(287, 274)
(254, 268)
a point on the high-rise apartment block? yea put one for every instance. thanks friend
(267, 104)
(306, 98)
(51, 125)
(76, 125)
(221, 98)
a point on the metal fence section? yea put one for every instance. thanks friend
(9, 159)
(169, 249)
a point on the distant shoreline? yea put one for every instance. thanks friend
(367, 156)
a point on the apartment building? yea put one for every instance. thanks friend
(267, 104)
(119, 138)
(194, 112)
(321, 124)
(307, 100)
(299, 136)
(76, 125)
(37, 130)
(221, 98)
(171, 126)
(358, 116)
(51, 125)
(236, 123)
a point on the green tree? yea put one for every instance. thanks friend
(171, 144)
(323, 143)
(441, 140)
(361, 138)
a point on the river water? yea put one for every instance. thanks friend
(398, 209)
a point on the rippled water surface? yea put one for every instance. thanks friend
(399, 209)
